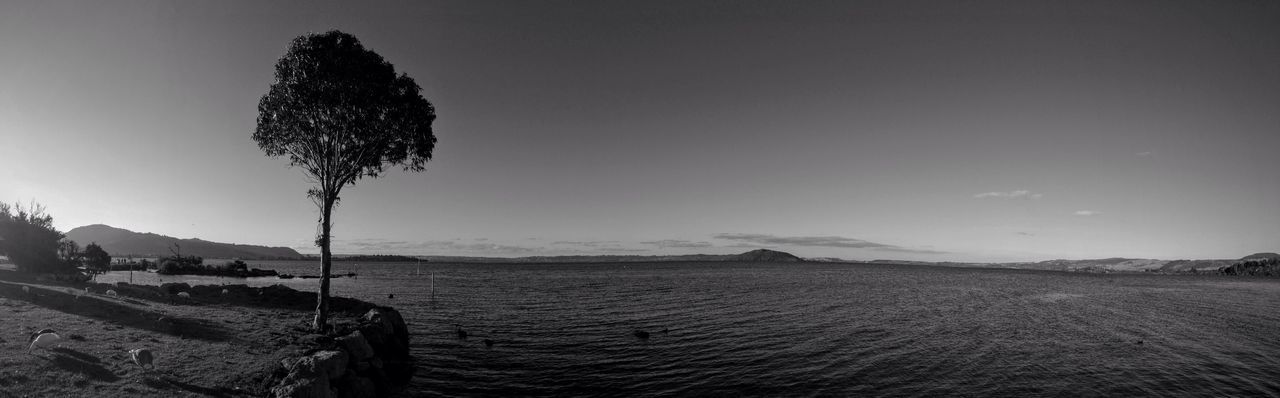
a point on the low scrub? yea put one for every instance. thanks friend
(1261, 267)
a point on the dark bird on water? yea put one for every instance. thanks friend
(666, 330)
(462, 334)
(391, 296)
(488, 343)
(642, 335)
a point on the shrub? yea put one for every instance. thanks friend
(28, 238)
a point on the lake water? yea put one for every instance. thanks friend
(818, 329)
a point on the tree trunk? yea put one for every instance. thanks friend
(326, 263)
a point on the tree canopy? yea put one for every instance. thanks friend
(28, 238)
(340, 112)
(96, 259)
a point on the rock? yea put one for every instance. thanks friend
(315, 340)
(378, 317)
(380, 381)
(323, 364)
(353, 386)
(312, 387)
(356, 345)
(376, 363)
(288, 364)
(331, 364)
(397, 325)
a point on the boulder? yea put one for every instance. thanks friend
(307, 387)
(386, 332)
(379, 317)
(331, 364)
(356, 345)
(323, 364)
(353, 386)
(315, 340)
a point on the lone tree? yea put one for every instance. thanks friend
(340, 112)
(96, 260)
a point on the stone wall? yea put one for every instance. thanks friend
(368, 359)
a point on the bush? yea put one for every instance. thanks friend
(28, 238)
(96, 260)
(1264, 267)
(178, 264)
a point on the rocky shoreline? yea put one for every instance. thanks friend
(221, 340)
(368, 359)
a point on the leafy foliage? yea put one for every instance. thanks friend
(96, 260)
(69, 253)
(1261, 267)
(178, 264)
(28, 238)
(340, 112)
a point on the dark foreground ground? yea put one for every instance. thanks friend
(212, 344)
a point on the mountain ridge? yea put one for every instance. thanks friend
(121, 242)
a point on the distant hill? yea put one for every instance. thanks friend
(123, 242)
(1115, 264)
(766, 256)
(1260, 256)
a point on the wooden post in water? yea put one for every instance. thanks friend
(433, 286)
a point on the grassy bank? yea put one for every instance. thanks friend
(211, 344)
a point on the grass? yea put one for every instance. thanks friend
(210, 345)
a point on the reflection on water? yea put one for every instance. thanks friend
(818, 329)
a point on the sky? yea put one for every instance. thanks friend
(915, 130)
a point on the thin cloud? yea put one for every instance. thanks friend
(1144, 153)
(1087, 213)
(586, 243)
(678, 243)
(1018, 194)
(404, 247)
(816, 241)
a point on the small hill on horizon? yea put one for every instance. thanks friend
(122, 242)
(1260, 256)
(766, 255)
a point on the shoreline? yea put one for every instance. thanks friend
(213, 343)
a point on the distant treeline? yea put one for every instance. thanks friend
(371, 258)
(1261, 267)
(193, 265)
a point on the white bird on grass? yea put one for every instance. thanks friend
(44, 339)
(184, 295)
(142, 357)
(112, 293)
(224, 292)
(26, 289)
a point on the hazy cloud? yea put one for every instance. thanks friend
(1026, 234)
(382, 246)
(586, 243)
(1144, 153)
(1018, 194)
(677, 243)
(1087, 212)
(816, 241)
